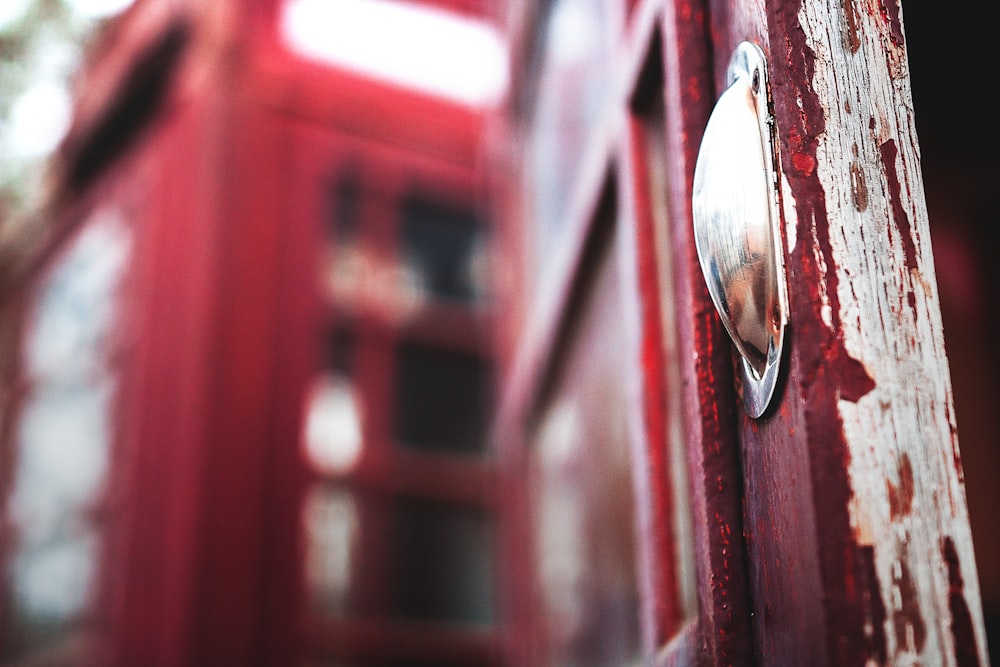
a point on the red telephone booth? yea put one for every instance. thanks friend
(250, 358)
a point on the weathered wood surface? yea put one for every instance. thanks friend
(859, 544)
(709, 402)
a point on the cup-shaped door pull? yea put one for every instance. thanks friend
(736, 225)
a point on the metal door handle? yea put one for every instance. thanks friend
(736, 225)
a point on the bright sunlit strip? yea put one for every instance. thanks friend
(39, 119)
(12, 11)
(429, 49)
(99, 9)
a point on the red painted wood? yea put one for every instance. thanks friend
(374, 642)
(244, 360)
(166, 426)
(710, 403)
(660, 501)
(820, 594)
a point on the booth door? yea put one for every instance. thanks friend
(831, 529)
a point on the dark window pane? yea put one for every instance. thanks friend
(440, 247)
(345, 206)
(340, 351)
(442, 563)
(441, 399)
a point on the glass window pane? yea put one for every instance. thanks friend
(442, 249)
(441, 398)
(344, 262)
(330, 519)
(573, 99)
(51, 586)
(442, 563)
(63, 437)
(584, 519)
(345, 206)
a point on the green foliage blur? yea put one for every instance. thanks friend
(41, 46)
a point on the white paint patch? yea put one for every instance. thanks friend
(826, 310)
(790, 213)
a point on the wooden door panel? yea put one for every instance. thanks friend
(722, 633)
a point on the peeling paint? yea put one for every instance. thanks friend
(790, 214)
(889, 9)
(962, 630)
(889, 152)
(901, 496)
(852, 34)
(908, 624)
(856, 615)
(859, 188)
(853, 378)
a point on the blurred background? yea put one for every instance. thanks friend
(41, 46)
(399, 513)
(959, 142)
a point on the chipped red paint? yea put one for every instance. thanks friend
(956, 458)
(804, 162)
(868, 588)
(889, 10)
(854, 379)
(888, 152)
(907, 616)
(901, 497)
(859, 187)
(962, 628)
(853, 38)
(710, 407)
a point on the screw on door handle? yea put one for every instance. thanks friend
(736, 225)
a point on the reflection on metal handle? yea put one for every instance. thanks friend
(736, 225)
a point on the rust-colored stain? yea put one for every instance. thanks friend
(889, 152)
(852, 33)
(907, 616)
(956, 458)
(962, 630)
(859, 188)
(901, 497)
